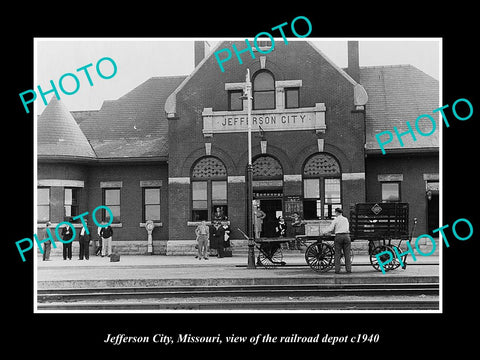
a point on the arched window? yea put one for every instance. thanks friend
(263, 90)
(321, 187)
(209, 188)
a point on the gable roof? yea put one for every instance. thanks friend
(397, 94)
(59, 136)
(360, 96)
(135, 125)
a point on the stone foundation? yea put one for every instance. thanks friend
(187, 247)
(239, 247)
(134, 247)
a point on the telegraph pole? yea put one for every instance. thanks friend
(249, 180)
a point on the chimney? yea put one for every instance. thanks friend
(199, 51)
(353, 62)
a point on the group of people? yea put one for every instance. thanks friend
(214, 239)
(104, 247)
(280, 226)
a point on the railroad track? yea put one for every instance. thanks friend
(302, 296)
(252, 305)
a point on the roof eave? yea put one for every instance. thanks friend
(403, 151)
(171, 102)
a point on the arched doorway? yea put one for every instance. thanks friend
(268, 191)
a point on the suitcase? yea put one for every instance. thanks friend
(114, 257)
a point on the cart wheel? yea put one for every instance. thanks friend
(270, 256)
(396, 261)
(319, 256)
(373, 259)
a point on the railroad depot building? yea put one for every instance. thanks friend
(174, 149)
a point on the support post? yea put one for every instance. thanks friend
(249, 180)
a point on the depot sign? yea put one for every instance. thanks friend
(308, 118)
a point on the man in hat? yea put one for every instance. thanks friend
(106, 234)
(67, 235)
(341, 228)
(84, 241)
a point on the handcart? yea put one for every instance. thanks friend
(381, 224)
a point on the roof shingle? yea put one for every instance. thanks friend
(135, 125)
(58, 134)
(397, 94)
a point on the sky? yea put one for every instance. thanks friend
(138, 60)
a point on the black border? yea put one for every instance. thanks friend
(61, 335)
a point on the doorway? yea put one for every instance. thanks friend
(272, 209)
(433, 209)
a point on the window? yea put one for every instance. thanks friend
(219, 196)
(321, 187)
(263, 91)
(264, 44)
(151, 204)
(234, 100)
(292, 98)
(111, 198)
(70, 202)
(332, 197)
(390, 191)
(200, 200)
(321, 197)
(209, 188)
(43, 204)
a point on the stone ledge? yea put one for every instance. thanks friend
(187, 247)
(131, 247)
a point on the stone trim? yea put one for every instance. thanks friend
(196, 223)
(292, 177)
(111, 184)
(390, 177)
(76, 225)
(157, 224)
(235, 86)
(236, 179)
(151, 183)
(288, 83)
(353, 176)
(60, 183)
(179, 180)
(431, 177)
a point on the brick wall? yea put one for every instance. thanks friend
(321, 83)
(130, 236)
(412, 188)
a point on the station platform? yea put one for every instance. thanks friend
(157, 270)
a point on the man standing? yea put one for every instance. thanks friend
(341, 228)
(47, 245)
(202, 231)
(67, 234)
(98, 249)
(258, 216)
(297, 230)
(84, 242)
(106, 234)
